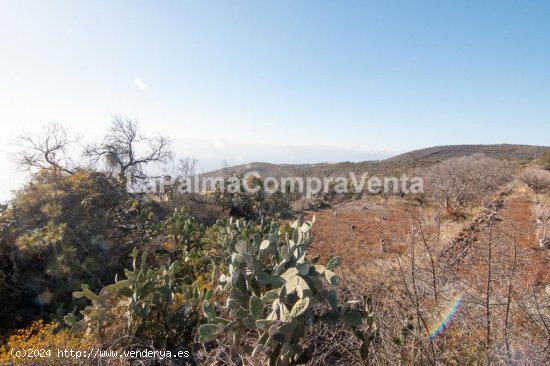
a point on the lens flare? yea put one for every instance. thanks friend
(447, 317)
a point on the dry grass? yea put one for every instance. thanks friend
(374, 239)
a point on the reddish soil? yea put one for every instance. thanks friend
(355, 229)
(516, 224)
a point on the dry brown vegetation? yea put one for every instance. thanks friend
(401, 257)
(464, 181)
(537, 179)
(479, 234)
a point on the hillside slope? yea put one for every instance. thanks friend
(501, 151)
(394, 164)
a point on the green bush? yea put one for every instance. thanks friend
(159, 306)
(60, 231)
(239, 202)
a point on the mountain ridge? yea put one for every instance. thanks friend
(414, 158)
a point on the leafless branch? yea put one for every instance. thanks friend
(47, 150)
(120, 149)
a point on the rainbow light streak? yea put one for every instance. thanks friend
(448, 316)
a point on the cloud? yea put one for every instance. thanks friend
(218, 143)
(140, 84)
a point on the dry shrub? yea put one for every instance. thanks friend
(465, 181)
(47, 337)
(537, 179)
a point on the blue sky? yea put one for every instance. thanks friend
(278, 81)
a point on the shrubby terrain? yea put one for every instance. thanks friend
(246, 279)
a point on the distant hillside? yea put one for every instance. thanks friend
(502, 151)
(294, 170)
(396, 164)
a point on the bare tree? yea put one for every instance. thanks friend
(186, 167)
(412, 291)
(184, 171)
(123, 152)
(47, 150)
(489, 291)
(431, 246)
(421, 284)
(511, 277)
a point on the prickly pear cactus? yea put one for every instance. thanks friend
(272, 287)
(153, 301)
